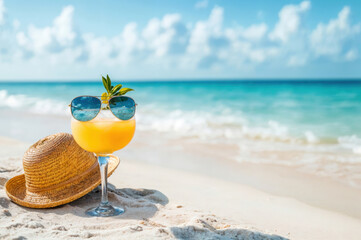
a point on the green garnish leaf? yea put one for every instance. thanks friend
(109, 83)
(111, 90)
(105, 83)
(123, 91)
(116, 88)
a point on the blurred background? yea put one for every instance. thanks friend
(220, 84)
(166, 40)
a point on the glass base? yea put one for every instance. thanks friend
(104, 211)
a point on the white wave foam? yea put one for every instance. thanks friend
(219, 125)
(32, 104)
(273, 131)
(311, 137)
(215, 126)
(191, 123)
(11, 101)
(209, 126)
(351, 142)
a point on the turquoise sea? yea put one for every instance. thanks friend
(312, 124)
(311, 110)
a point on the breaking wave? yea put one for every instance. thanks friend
(32, 104)
(208, 126)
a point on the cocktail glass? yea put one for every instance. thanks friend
(103, 135)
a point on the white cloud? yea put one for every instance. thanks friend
(248, 46)
(215, 20)
(330, 39)
(16, 24)
(129, 42)
(297, 60)
(169, 44)
(2, 12)
(204, 30)
(289, 21)
(52, 38)
(160, 39)
(201, 4)
(201, 46)
(159, 35)
(63, 28)
(255, 32)
(115, 51)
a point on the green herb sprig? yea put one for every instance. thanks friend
(111, 90)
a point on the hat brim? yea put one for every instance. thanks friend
(16, 189)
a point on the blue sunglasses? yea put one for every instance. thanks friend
(86, 108)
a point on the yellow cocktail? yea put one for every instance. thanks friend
(103, 135)
(103, 125)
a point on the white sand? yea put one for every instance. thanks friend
(162, 203)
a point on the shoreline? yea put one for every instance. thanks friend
(285, 181)
(216, 161)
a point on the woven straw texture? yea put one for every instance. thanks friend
(57, 171)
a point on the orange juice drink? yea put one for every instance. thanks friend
(103, 135)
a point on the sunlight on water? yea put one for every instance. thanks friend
(311, 125)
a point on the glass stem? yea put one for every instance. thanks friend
(103, 164)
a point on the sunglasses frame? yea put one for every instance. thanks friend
(101, 102)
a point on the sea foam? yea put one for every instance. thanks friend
(351, 142)
(32, 104)
(218, 125)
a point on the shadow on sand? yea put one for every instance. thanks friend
(142, 204)
(138, 203)
(209, 232)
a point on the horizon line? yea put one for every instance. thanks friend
(338, 79)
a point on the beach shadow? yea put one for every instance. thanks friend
(138, 203)
(209, 232)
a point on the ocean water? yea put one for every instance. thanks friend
(312, 124)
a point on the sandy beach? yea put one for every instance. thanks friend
(163, 202)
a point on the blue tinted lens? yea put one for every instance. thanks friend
(85, 108)
(122, 107)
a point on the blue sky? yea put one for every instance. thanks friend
(164, 40)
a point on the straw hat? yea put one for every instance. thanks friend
(57, 171)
